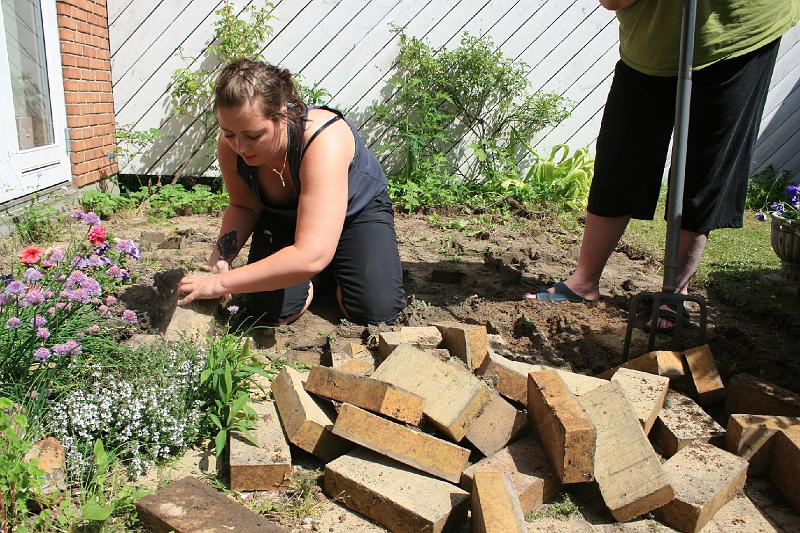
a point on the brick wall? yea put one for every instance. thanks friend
(86, 63)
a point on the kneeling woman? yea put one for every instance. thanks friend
(312, 195)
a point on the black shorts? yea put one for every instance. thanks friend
(366, 267)
(727, 104)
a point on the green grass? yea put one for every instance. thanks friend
(561, 509)
(733, 265)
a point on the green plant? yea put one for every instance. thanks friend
(298, 501)
(37, 222)
(467, 101)
(766, 187)
(560, 509)
(225, 385)
(787, 207)
(20, 480)
(103, 203)
(558, 180)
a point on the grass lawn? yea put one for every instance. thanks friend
(734, 264)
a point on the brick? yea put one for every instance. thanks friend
(413, 448)
(498, 424)
(354, 349)
(453, 396)
(421, 337)
(190, 506)
(626, 468)
(750, 437)
(704, 479)
(682, 422)
(268, 463)
(466, 341)
(564, 429)
(785, 468)
(191, 320)
(360, 366)
(525, 460)
(740, 515)
(394, 495)
(306, 421)
(645, 392)
(661, 363)
(367, 393)
(705, 375)
(750, 395)
(511, 377)
(495, 505)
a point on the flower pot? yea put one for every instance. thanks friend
(786, 244)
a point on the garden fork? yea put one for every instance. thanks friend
(677, 175)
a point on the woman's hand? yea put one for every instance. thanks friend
(200, 287)
(218, 268)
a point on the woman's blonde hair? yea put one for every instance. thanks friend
(269, 87)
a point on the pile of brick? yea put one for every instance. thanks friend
(397, 430)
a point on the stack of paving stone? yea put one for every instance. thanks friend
(398, 429)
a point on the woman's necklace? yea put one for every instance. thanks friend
(280, 172)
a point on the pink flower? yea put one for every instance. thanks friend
(97, 235)
(30, 255)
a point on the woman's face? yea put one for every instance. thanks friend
(251, 135)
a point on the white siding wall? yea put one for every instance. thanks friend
(347, 46)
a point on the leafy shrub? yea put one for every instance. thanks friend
(163, 201)
(103, 203)
(471, 103)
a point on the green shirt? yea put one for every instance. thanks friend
(650, 31)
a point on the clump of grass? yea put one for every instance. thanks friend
(300, 500)
(560, 509)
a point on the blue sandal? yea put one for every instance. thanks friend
(561, 294)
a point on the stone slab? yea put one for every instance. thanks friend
(468, 342)
(420, 337)
(190, 506)
(682, 422)
(510, 378)
(495, 505)
(263, 466)
(626, 468)
(365, 392)
(645, 392)
(191, 320)
(498, 424)
(785, 468)
(740, 515)
(705, 375)
(534, 479)
(360, 366)
(401, 499)
(306, 420)
(567, 434)
(661, 363)
(750, 437)
(753, 396)
(414, 448)
(52, 461)
(704, 479)
(453, 396)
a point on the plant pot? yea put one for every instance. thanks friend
(786, 244)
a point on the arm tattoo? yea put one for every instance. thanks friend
(226, 244)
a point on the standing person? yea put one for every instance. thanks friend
(736, 45)
(312, 195)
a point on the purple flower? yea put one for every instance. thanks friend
(15, 287)
(129, 317)
(761, 216)
(91, 286)
(48, 294)
(78, 295)
(39, 321)
(34, 297)
(793, 192)
(51, 311)
(60, 349)
(43, 333)
(104, 311)
(13, 323)
(73, 347)
(42, 354)
(114, 272)
(91, 219)
(233, 309)
(778, 207)
(78, 214)
(32, 275)
(111, 300)
(129, 247)
(3, 298)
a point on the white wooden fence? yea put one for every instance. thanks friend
(348, 47)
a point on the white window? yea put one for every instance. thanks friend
(33, 152)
